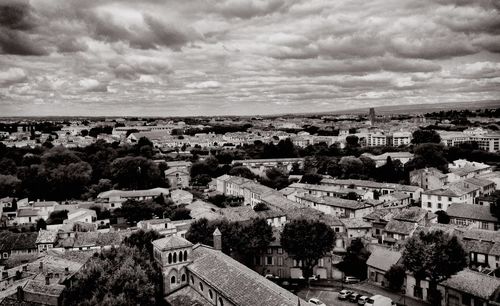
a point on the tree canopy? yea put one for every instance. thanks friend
(307, 241)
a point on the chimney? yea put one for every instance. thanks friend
(20, 293)
(217, 239)
(47, 280)
(66, 271)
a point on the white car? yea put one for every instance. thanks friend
(362, 300)
(317, 302)
(344, 294)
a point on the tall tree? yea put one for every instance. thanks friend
(425, 136)
(307, 241)
(436, 256)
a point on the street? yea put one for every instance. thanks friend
(329, 295)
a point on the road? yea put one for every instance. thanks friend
(329, 295)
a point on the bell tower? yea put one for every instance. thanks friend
(173, 254)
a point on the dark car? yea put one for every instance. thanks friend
(354, 297)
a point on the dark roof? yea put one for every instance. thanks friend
(470, 211)
(17, 241)
(413, 214)
(239, 284)
(473, 283)
(476, 246)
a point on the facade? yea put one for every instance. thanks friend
(338, 207)
(138, 195)
(259, 166)
(177, 178)
(428, 178)
(472, 216)
(380, 261)
(381, 159)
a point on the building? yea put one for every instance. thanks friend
(119, 196)
(472, 216)
(277, 262)
(17, 245)
(259, 166)
(428, 178)
(380, 261)
(341, 208)
(470, 288)
(323, 190)
(177, 178)
(376, 187)
(180, 197)
(462, 169)
(46, 240)
(204, 275)
(440, 199)
(381, 159)
(166, 226)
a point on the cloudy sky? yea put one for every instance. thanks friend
(206, 57)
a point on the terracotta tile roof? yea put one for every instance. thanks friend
(336, 202)
(383, 258)
(17, 241)
(45, 236)
(277, 200)
(171, 242)
(471, 211)
(479, 234)
(355, 223)
(412, 214)
(41, 288)
(473, 283)
(400, 227)
(239, 284)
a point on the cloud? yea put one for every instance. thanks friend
(12, 76)
(92, 85)
(204, 85)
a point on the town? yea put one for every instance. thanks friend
(319, 209)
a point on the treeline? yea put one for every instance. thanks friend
(62, 174)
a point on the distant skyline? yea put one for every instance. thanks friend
(243, 57)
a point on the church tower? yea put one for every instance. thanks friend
(173, 254)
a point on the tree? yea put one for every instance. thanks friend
(142, 240)
(352, 141)
(41, 224)
(242, 171)
(395, 277)
(442, 217)
(311, 178)
(307, 241)
(436, 256)
(425, 136)
(351, 166)
(123, 276)
(9, 185)
(180, 213)
(57, 217)
(354, 262)
(136, 173)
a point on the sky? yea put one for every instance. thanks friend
(243, 57)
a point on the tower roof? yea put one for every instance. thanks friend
(217, 232)
(171, 242)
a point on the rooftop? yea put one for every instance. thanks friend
(471, 211)
(171, 242)
(400, 227)
(383, 258)
(239, 284)
(134, 193)
(473, 283)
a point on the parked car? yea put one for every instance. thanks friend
(362, 300)
(344, 294)
(314, 277)
(351, 279)
(354, 297)
(317, 302)
(379, 300)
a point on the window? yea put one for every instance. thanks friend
(449, 199)
(201, 286)
(279, 273)
(221, 302)
(192, 280)
(183, 278)
(466, 300)
(172, 280)
(280, 261)
(321, 262)
(429, 204)
(280, 251)
(439, 198)
(440, 206)
(175, 258)
(210, 293)
(269, 260)
(269, 251)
